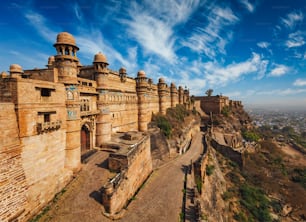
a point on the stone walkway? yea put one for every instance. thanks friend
(159, 200)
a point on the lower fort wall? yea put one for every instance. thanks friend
(138, 166)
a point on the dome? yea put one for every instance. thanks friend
(173, 85)
(65, 38)
(122, 70)
(161, 80)
(16, 68)
(100, 58)
(141, 73)
(3, 75)
(51, 60)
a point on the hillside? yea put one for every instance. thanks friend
(270, 185)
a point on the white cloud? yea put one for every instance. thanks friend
(212, 39)
(217, 75)
(279, 70)
(248, 5)
(40, 24)
(282, 92)
(296, 39)
(263, 45)
(151, 24)
(291, 19)
(300, 82)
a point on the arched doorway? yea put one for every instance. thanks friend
(85, 139)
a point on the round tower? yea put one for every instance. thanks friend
(100, 70)
(66, 64)
(141, 88)
(181, 95)
(51, 62)
(122, 74)
(174, 95)
(16, 71)
(162, 93)
(66, 60)
(104, 127)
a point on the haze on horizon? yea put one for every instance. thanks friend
(249, 50)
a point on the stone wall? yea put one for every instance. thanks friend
(13, 184)
(137, 164)
(228, 152)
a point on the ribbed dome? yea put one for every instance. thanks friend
(122, 70)
(141, 73)
(65, 38)
(161, 80)
(100, 58)
(16, 68)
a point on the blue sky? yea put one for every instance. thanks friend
(250, 50)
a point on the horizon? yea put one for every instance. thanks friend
(253, 51)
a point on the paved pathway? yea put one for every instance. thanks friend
(159, 200)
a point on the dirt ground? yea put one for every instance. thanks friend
(160, 199)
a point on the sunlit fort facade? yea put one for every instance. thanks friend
(50, 117)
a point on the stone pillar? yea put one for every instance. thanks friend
(104, 127)
(141, 88)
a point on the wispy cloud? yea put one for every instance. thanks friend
(248, 5)
(282, 92)
(211, 38)
(292, 19)
(218, 75)
(295, 39)
(300, 82)
(151, 24)
(41, 26)
(263, 45)
(279, 70)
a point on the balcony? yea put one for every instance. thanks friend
(48, 126)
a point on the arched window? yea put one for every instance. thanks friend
(69, 95)
(66, 51)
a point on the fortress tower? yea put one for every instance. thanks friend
(103, 120)
(162, 92)
(66, 66)
(141, 88)
(181, 95)
(16, 71)
(174, 95)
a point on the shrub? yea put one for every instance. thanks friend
(164, 125)
(226, 111)
(250, 136)
(255, 201)
(210, 169)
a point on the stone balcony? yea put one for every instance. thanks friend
(48, 126)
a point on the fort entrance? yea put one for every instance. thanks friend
(85, 139)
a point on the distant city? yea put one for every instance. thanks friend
(279, 118)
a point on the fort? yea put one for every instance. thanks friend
(51, 117)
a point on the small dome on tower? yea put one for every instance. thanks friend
(51, 60)
(100, 58)
(173, 85)
(16, 68)
(65, 38)
(122, 70)
(3, 75)
(141, 73)
(161, 80)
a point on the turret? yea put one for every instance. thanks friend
(181, 95)
(16, 71)
(66, 63)
(104, 126)
(101, 71)
(66, 60)
(122, 74)
(51, 62)
(162, 93)
(141, 88)
(174, 95)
